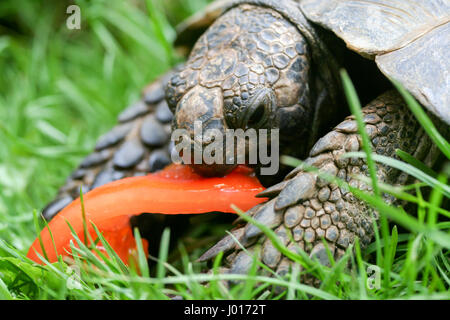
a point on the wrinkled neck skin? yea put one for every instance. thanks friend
(250, 70)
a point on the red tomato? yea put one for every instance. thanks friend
(174, 190)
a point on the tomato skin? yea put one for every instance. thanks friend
(174, 190)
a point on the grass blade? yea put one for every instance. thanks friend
(142, 259)
(163, 254)
(416, 163)
(355, 108)
(405, 167)
(424, 120)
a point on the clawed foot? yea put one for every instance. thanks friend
(312, 209)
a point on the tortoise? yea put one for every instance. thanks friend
(275, 65)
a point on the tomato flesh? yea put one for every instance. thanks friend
(174, 190)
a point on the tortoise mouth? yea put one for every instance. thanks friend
(219, 155)
(213, 170)
(209, 158)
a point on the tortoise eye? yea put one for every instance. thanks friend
(259, 109)
(258, 117)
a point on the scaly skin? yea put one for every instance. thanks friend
(221, 69)
(312, 209)
(139, 144)
(251, 69)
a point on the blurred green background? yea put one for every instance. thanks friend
(60, 89)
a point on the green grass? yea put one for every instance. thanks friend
(61, 89)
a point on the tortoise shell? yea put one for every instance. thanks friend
(408, 40)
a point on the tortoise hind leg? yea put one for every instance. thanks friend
(137, 145)
(313, 209)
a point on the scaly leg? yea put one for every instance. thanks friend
(312, 208)
(137, 145)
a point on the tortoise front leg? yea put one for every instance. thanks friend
(312, 208)
(137, 145)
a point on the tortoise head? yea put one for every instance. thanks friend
(249, 70)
